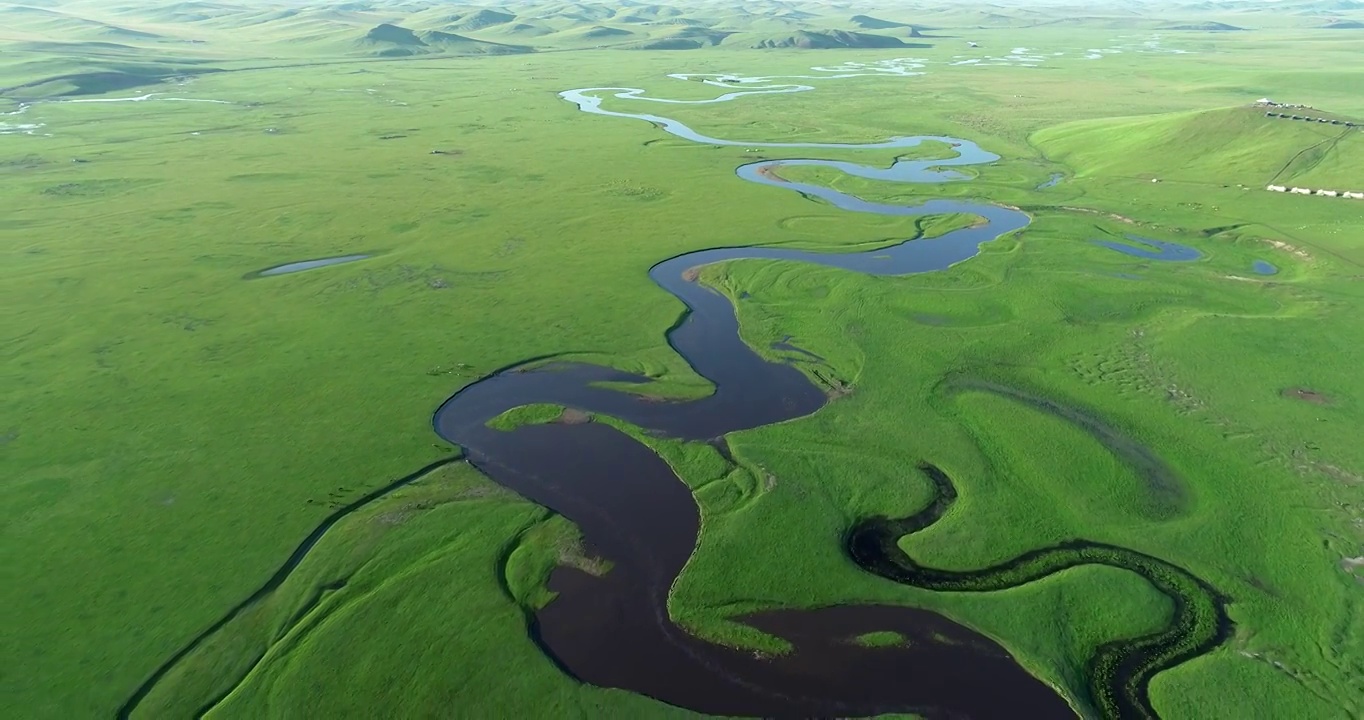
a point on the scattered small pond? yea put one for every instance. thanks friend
(1264, 268)
(1168, 251)
(1055, 178)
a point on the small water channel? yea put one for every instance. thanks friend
(302, 265)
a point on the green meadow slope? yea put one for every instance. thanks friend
(1232, 145)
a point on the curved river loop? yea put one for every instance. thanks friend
(615, 631)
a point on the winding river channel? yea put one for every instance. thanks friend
(615, 630)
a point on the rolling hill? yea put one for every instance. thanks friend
(1204, 27)
(486, 17)
(1223, 146)
(86, 33)
(388, 40)
(827, 39)
(867, 22)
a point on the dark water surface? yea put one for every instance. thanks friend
(615, 630)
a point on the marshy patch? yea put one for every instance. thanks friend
(931, 319)
(1154, 250)
(25, 162)
(95, 188)
(634, 191)
(264, 177)
(434, 277)
(1306, 395)
(1051, 181)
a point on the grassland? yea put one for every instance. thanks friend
(173, 431)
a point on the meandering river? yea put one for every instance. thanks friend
(615, 630)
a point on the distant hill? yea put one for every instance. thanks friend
(1343, 25)
(486, 17)
(1205, 27)
(521, 28)
(867, 22)
(826, 39)
(673, 43)
(685, 37)
(597, 32)
(388, 40)
(392, 34)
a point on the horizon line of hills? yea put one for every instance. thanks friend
(409, 27)
(78, 47)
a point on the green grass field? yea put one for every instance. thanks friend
(173, 430)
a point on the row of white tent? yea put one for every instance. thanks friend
(1309, 191)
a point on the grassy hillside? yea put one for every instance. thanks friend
(1231, 145)
(825, 39)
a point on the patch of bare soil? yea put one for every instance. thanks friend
(1337, 473)
(771, 174)
(573, 417)
(834, 388)
(1280, 245)
(1354, 566)
(1306, 395)
(691, 274)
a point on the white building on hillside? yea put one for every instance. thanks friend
(1277, 188)
(1300, 191)
(1328, 193)
(1355, 195)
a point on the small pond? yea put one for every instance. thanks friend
(1155, 250)
(302, 265)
